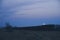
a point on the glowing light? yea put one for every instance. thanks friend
(44, 24)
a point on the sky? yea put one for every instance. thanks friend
(29, 12)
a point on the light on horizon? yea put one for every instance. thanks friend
(44, 24)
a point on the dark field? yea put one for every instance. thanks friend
(44, 32)
(29, 35)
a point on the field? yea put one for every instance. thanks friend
(29, 35)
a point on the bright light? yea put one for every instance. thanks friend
(44, 24)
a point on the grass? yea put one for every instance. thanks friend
(44, 32)
(29, 35)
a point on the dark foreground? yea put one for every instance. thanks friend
(29, 35)
(44, 32)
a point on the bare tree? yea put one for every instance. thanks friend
(8, 27)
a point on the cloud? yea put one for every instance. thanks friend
(30, 8)
(37, 9)
(30, 11)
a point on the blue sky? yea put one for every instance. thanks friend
(29, 12)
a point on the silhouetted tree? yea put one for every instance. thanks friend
(8, 27)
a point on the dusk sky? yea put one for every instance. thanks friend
(29, 12)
